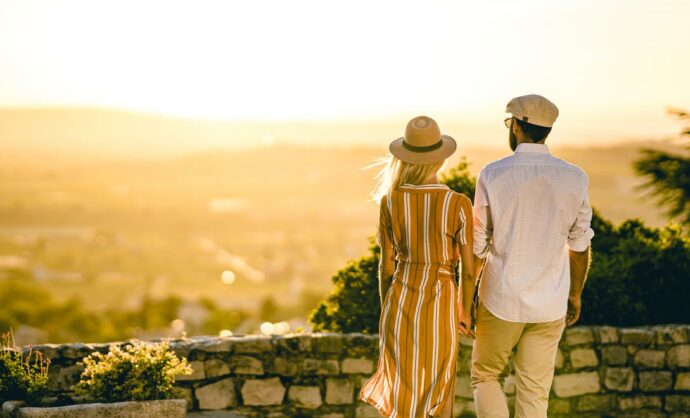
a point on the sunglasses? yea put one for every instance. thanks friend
(508, 122)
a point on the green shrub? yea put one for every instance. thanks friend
(142, 371)
(21, 378)
(639, 276)
(353, 305)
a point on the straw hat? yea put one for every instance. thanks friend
(423, 142)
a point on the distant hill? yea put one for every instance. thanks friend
(248, 157)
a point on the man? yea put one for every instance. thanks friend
(532, 234)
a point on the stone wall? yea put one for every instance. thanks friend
(601, 372)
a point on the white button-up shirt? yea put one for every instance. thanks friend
(529, 208)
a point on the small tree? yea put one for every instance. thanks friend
(668, 176)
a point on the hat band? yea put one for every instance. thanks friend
(425, 148)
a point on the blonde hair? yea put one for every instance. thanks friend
(396, 172)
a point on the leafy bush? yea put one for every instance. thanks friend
(639, 275)
(353, 305)
(21, 378)
(142, 371)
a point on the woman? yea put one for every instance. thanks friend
(424, 230)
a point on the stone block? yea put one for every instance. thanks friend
(357, 366)
(63, 377)
(463, 387)
(198, 372)
(366, 411)
(216, 367)
(619, 379)
(49, 351)
(253, 345)
(639, 402)
(216, 344)
(263, 392)
(682, 382)
(637, 336)
(578, 336)
(246, 365)
(675, 334)
(181, 348)
(680, 403)
(327, 343)
(607, 335)
(75, 351)
(679, 356)
(657, 381)
(650, 359)
(218, 395)
(285, 367)
(574, 384)
(583, 357)
(318, 366)
(359, 344)
(466, 341)
(308, 397)
(614, 355)
(339, 391)
(558, 406)
(560, 359)
(294, 343)
(596, 403)
(187, 394)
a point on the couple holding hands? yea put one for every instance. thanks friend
(523, 248)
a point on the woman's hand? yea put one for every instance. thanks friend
(464, 328)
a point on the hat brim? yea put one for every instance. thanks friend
(447, 148)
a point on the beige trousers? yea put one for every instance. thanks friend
(536, 347)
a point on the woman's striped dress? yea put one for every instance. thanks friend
(418, 327)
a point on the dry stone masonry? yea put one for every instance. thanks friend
(600, 372)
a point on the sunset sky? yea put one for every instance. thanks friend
(613, 67)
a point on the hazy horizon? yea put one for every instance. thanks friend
(77, 134)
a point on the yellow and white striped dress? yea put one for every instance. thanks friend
(418, 328)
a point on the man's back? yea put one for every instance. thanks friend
(530, 208)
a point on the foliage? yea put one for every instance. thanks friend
(353, 305)
(21, 378)
(460, 179)
(668, 176)
(639, 276)
(142, 371)
(25, 302)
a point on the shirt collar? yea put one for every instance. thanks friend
(426, 186)
(537, 148)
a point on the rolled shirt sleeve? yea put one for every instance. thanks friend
(581, 232)
(482, 219)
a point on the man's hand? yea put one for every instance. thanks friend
(464, 326)
(574, 308)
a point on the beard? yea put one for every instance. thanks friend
(512, 140)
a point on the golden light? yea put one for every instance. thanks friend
(225, 333)
(177, 325)
(281, 328)
(228, 277)
(267, 328)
